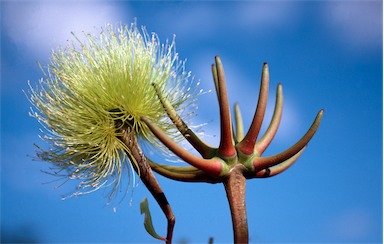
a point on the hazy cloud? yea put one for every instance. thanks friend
(263, 14)
(357, 24)
(39, 26)
(352, 225)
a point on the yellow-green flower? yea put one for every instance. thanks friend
(91, 86)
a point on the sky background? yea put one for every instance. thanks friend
(327, 54)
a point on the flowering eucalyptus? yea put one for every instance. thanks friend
(101, 96)
(92, 98)
(239, 156)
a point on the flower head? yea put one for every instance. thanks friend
(93, 87)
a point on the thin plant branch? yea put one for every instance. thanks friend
(143, 169)
(270, 133)
(277, 169)
(266, 162)
(212, 166)
(239, 124)
(181, 174)
(215, 81)
(246, 146)
(205, 150)
(226, 148)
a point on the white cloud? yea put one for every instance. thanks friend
(206, 20)
(263, 14)
(39, 26)
(351, 225)
(357, 24)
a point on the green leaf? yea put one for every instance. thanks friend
(144, 209)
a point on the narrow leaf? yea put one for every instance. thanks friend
(144, 209)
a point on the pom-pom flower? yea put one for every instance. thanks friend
(92, 88)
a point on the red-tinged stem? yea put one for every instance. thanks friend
(266, 162)
(204, 150)
(212, 166)
(235, 184)
(239, 124)
(147, 177)
(247, 145)
(216, 82)
(226, 148)
(277, 169)
(197, 176)
(266, 139)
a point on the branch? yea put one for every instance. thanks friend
(277, 169)
(205, 150)
(184, 174)
(263, 163)
(235, 188)
(239, 124)
(213, 167)
(247, 145)
(268, 136)
(128, 137)
(226, 148)
(215, 80)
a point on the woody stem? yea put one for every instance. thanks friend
(234, 186)
(145, 172)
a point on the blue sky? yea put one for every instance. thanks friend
(327, 54)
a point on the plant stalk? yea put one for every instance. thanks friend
(145, 172)
(234, 186)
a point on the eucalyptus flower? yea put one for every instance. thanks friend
(97, 84)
